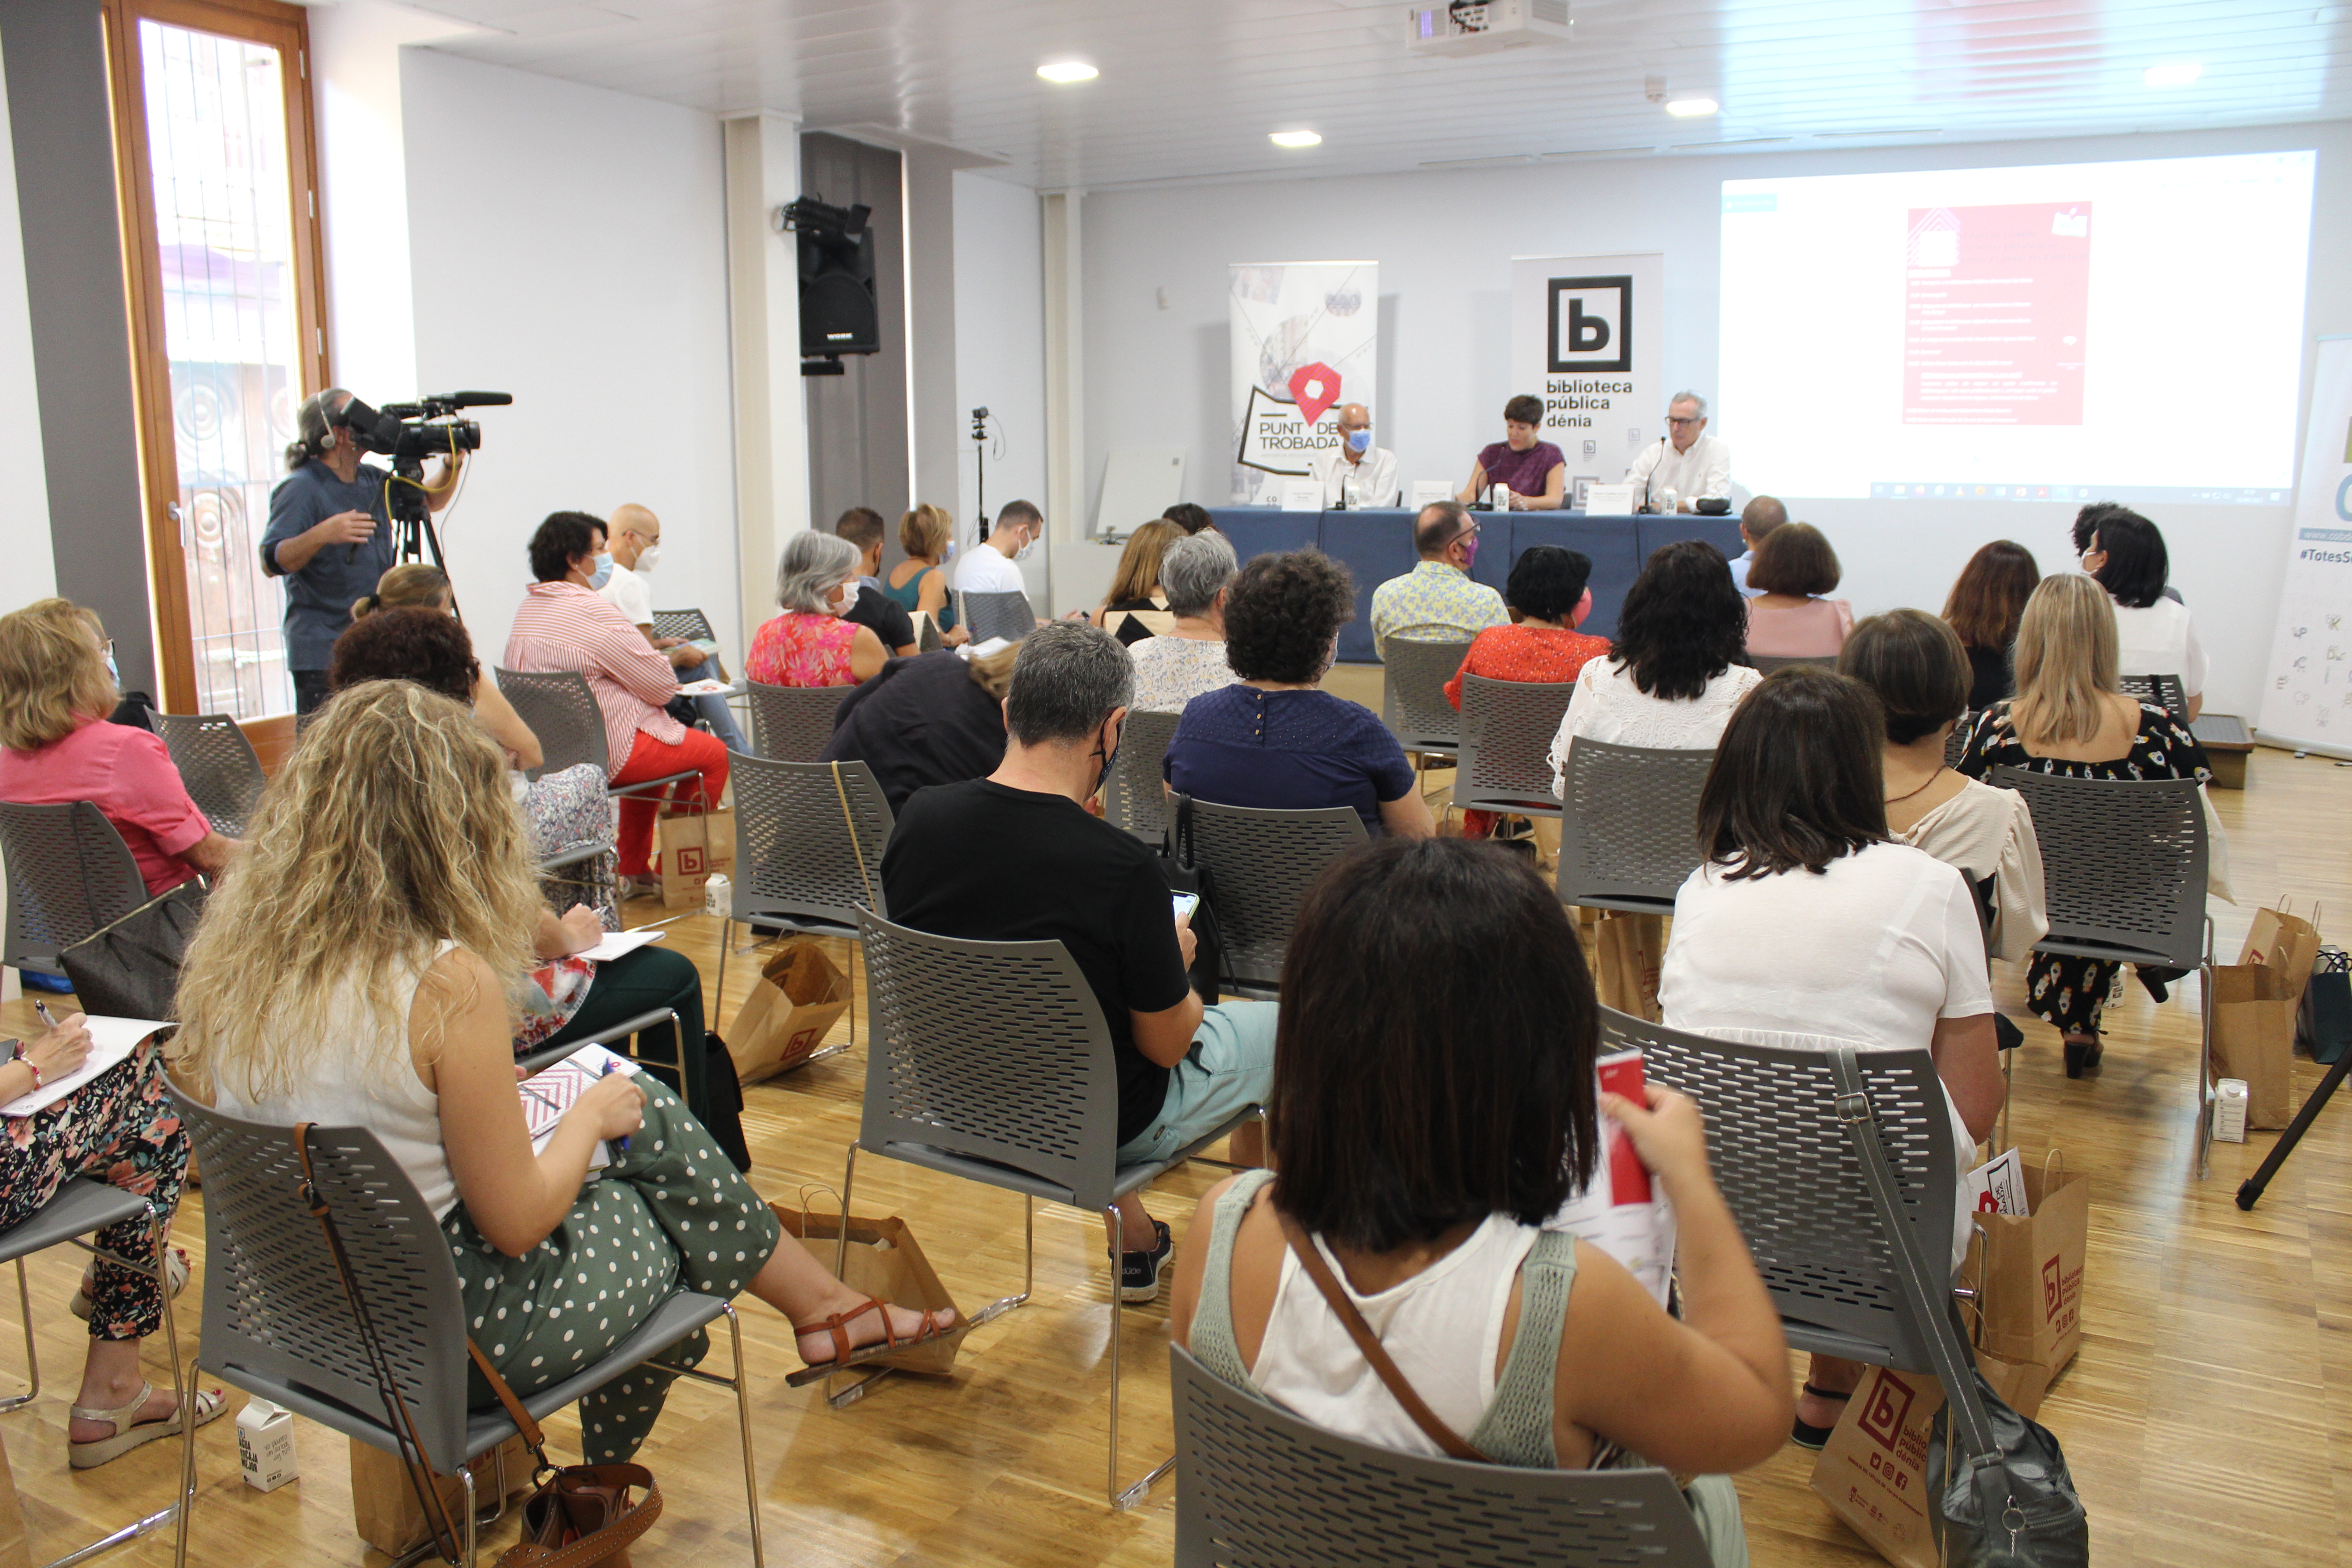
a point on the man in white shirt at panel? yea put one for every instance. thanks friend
(1689, 463)
(1355, 473)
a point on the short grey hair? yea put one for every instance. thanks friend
(1067, 680)
(813, 563)
(1689, 397)
(1194, 570)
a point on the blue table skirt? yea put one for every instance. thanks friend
(1377, 545)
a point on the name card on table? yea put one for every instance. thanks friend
(1609, 501)
(1302, 495)
(1424, 491)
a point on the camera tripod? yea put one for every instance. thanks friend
(2250, 1191)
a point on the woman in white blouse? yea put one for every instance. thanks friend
(1189, 658)
(1808, 926)
(1673, 676)
(2154, 634)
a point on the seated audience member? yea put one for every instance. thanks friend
(919, 583)
(121, 1128)
(1436, 601)
(56, 688)
(1017, 856)
(1548, 590)
(938, 718)
(1806, 926)
(1135, 607)
(1189, 658)
(570, 998)
(1983, 609)
(1533, 471)
(1789, 617)
(1673, 674)
(564, 624)
(1759, 517)
(875, 610)
(1435, 1096)
(360, 978)
(635, 534)
(2087, 523)
(1276, 740)
(417, 586)
(1191, 519)
(989, 566)
(1913, 663)
(2154, 634)
(2070, 717)
(811, 643)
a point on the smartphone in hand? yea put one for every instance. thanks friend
(1185, 904)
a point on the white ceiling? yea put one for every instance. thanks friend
(1189, 89)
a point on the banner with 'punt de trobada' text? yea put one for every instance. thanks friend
(1306, 343)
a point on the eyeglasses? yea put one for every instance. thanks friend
(1671, 419)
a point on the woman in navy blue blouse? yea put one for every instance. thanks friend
(1276, 740)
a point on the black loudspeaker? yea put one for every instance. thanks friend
(838, 315)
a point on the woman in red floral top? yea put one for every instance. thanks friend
(1548, 592)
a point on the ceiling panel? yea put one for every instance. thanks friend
(1189, 89)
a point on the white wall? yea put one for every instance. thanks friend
(25, 520)
(1000, 328)
(1445, 242)
(568, 246)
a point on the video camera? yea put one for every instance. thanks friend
(408, 433)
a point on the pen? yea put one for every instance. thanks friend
(43, 1009)
(611, 1066)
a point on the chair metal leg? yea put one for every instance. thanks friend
(2205, 1065)
(32, 1350)
(743, 1429)
(2001, 1139)
(725, 941)
(1130, 1496)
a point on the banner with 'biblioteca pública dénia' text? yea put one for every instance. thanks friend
(2307, 692)
(1585, 333)
(1306, 343)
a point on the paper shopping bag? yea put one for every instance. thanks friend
(718, 838)
(16, 1549)
(683, 842)
(1873, 1471)
(2253, 1037)
(384, 1509)
(1630, 948)
(884, 1261)
(2031, 1269)
(2286, 943)
(801, 994)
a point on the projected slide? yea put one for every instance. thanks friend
(2131, 331)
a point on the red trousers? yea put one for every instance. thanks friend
(650, 759)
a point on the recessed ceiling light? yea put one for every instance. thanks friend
(2181, 73)
(1067, 71)
(1691, 108)
(1294, 138)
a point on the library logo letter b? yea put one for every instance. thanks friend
(1592, 326)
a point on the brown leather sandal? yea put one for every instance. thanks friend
(844, 1355)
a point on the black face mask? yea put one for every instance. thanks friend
(1110, 760)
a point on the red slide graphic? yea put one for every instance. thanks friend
(1996, 312)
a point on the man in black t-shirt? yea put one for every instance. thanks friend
(888, 618)
(1015, 856)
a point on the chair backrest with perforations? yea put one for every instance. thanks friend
(989, 1051)
(1412, 693)
(1260, 864)
(1135, 797)
(1628, 827)
(692, 625)
(808, 840)
(1256, 1487)
(1789, 1172)
(217, 765)
(1766, 663)
(2123, 863)
(1007, 616)
(558, 708)
(1508, 729)
(273, 1300)
(1956, 744)
(794, 723)
(69, 872)
(2165, 690)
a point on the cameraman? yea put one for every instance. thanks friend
(330, 536)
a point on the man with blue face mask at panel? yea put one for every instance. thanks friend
(1355, 473)
(1436, 601)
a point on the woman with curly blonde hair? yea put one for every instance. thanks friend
(360, 974)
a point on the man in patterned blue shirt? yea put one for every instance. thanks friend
(1436, 601)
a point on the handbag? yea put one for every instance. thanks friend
(578, 1516)
(1183, 874)
(131, 969)
(2323, 1023)
(2008, 1500)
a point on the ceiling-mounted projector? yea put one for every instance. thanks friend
(1484, 26)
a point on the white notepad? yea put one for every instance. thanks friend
(621, 943)
(111, 1041)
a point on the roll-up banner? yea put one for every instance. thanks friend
(1585, 337)
(1306, 341)
(2307, 693)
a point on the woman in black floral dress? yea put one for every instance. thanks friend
(2071, 719)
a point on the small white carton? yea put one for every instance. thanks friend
(265, 1445)
(2230, 1111)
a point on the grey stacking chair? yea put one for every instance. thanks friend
(1628, 827)
(808, 851)
(1413, 694)
(690, 624)
(1007, 616)
(1956, 744)
(561, 711)
(1136, 797)
(1260, 864)
(1256, 1484)
(277, 1322)
(990, 1060)
(1766, 663)
(2165, 690)
(218, 765)
(794, 723)
(2123, 877)
(1508, 728)
(70, 874)
(80, 1207)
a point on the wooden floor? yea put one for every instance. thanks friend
(2209, 1412)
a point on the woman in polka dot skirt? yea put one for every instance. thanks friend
(358, 971)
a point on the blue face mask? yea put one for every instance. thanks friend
(1360, 440)
(604, 573)
(114, 674)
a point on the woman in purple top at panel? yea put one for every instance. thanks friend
(1534, 471)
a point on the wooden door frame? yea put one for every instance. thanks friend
(285, 28)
